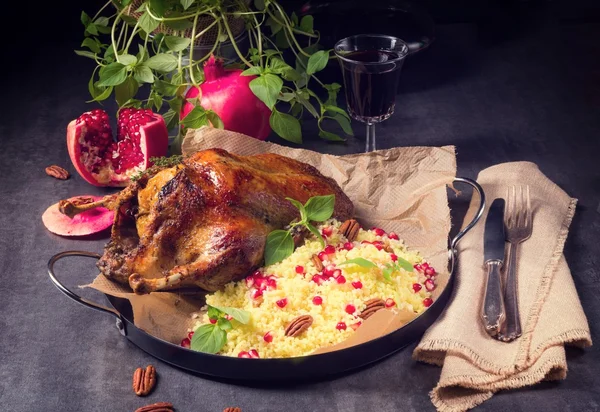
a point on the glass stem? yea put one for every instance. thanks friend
(370, 146)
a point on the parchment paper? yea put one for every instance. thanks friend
(400, 189)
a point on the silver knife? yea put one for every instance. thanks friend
(492, 310)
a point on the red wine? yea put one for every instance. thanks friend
(371, 88)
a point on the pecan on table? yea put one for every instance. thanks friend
(157, 407)
(232, 409)
(144, 380)
(373, 305)
(57, 172)
(298, 326)
(350, 229)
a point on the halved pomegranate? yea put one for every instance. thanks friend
(102, 161)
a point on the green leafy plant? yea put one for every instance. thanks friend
(388, 269)
(150, 43)
(211, 338)
(280, 243)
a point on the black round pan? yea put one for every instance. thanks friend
(311, 367)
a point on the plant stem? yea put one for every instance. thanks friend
(234, 44)
(185, 17)
(288, 23)
(192, 49)
(133, 33)
(112, 34)
(205, 30)
(101, 10)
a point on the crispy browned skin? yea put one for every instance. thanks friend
(205, 223)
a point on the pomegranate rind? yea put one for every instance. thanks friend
(154, 142)
(84, 224)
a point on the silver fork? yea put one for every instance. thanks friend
(518, 226)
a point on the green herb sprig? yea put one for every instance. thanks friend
(158, 164)
(280, 243)
(388, 269)
(211, 338)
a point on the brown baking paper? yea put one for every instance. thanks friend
(401, 190)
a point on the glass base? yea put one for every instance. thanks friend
(371, 119)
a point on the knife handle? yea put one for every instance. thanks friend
(492, 311)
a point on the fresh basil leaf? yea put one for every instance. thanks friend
(224, 324)
(300, 207)
(330, 136)
(101, 21)
(175, 104)
(132, 103)
(277, 65)
(179, 25)
(215, 120)
(112, 74)
(252, 71)
(157, 100)
(286, 126)
(127, 59)
(320, 208)
(196, 118)
(148, 23)
(279, 246)
(335, 109)
(91, 29)
(332, 92)
(102, 96)
(364, 263)
(162, 62)
(317, 61)
(271, 53)
(94, 91)
(186, 4)
(387, 273)
(306, 24)
(274, 26)
(259, 4)
(240, 315)
(307, 104)
(281, 40)
(126, 90)
(315, 232)
(294, 18)
(344, 123)
(267, 87)
(85, 19)
(158, 7)
(176, 43)
(404, 264)
(213, 313)
(287, 97)
(91, 44)
(85, 53)
(208, 339)
(163, 87)
(143, 74)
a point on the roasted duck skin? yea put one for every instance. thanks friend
(204, 223)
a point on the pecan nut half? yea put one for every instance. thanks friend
(317, 262)
(57, 172)
(298, 326)
(157, 407)
(388, 249)
(373, 305)
(232, 409)
(350, 229)
(144, 380)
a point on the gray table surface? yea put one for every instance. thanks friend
(533, 94)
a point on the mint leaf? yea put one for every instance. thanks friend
(279, 246)
(143, 74)
(208, 339)
(286, 126)
(404, 264)
(320, 208)
(196, 118)
(224, 324)
(300, 207)
(317, 62)
(126, 90)
(267, 88)
(364, 263)
(148, 23)
(240, 315)
(112, 74)
(176, 43)
(162, 62)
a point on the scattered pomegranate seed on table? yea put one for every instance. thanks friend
(341, 326)
(190, 334)
(378, 231)
(417, 287)
(429, 285)
(282, 302)
(350, 309)
(186, 343)
(418, 267)
(427, 302)
(317, 300)
(430, 271)
(357, 284)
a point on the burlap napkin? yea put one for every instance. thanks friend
(476, 366)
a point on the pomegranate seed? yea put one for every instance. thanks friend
(341, 326)
(243, 354)
(427, 302)
(394, 257)
(300, 270)
(253, 354)
(389, 303)
(356, 325)
(190, 334)
(186, 343)
(282, 302)
(268, 337)
(393, 236)
(322, 256)
(357, 284)
(328, 271)
(256, 293)
(317, 300)
(318, 279)
(340, 279)
(337, 273)
(424, 265)
(429, 285)
(260, 283)
(329, 249)
(327, 231)
(418, 267)
(417, 287)
(228, 317)
(430, 271)
(350, 309)
(213, 320)
(348, 246)
(272, 283)
(249, 281)
(378, 231)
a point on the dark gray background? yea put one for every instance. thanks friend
(528, 89)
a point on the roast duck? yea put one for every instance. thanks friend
(205, 221)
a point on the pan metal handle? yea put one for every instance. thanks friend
(72, 294)
(480, 209)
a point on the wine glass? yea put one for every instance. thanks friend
(371, 65)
